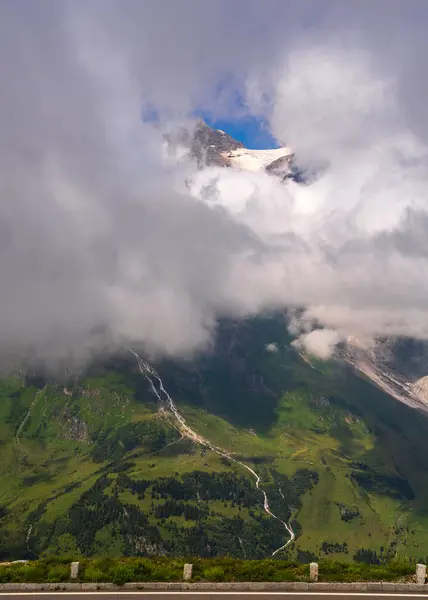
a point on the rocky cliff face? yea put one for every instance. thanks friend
(210, 146)
(397, 365)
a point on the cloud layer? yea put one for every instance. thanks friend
(102, 244)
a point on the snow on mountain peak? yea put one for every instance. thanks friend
(255, 160)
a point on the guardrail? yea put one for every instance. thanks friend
(419, 584)
(420, 574)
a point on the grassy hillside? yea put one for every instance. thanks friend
(93, 467)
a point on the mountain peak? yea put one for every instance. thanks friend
(209, 145)
(214, 147)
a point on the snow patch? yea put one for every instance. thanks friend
(255, 160)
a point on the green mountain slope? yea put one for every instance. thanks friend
(94, 467)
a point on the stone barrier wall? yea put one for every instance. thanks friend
(218, 587)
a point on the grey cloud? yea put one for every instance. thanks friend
(100, 242)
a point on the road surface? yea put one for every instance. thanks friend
(230, 595)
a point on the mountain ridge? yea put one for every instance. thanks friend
(184, 457)
(214, 147)
(380, 362)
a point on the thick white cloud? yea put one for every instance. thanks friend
(101, 243)
(350, 247)
(319, 342)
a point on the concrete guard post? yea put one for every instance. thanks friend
(421, 573)
(74, 570)
(313, 572)
(187, 571)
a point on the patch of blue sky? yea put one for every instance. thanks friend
(233, 116)
(252, 131)
(229, 113)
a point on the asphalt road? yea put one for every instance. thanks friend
(207, 595)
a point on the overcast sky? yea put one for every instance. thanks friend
(102, 244)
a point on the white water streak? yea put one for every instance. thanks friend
(24, 421)
(242, 547)
(149, 372)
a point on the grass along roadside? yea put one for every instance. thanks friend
(162, 569)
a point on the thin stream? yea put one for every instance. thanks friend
(165, 399)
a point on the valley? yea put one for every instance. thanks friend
(100, 465)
